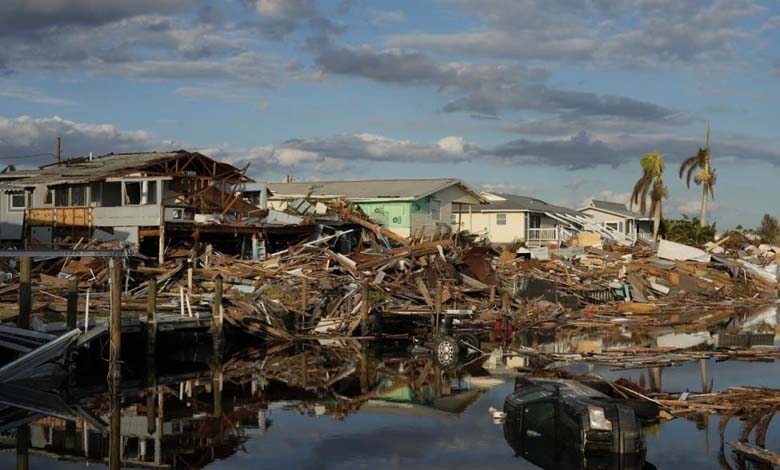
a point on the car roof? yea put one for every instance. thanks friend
(548, 387)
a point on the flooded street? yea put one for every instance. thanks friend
(347, 405)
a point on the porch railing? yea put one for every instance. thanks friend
(543, 234)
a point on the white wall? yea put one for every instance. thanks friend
(126, 216)
(604, 217)
(11, 221)
(485, 223)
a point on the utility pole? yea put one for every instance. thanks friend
(59, 151)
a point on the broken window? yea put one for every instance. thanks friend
(48, 197)
(500, 219)
(17, 201)
(133, 193)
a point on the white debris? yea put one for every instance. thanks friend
(679, 252)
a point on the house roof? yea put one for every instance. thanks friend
(371, 190)
(615, 208)
(515, 203)
(84, 170)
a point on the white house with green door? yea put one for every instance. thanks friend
(403, 205)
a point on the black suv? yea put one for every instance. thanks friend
(557, 423)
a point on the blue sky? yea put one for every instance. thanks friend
(552, 98)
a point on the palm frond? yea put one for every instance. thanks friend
(689, 175)
(687, 166)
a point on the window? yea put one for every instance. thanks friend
(538, 419)
(140, 193)
(612, 225)
(500, 219)
(435, 209)
(78, 195)
(17, 201)
(535, 221)
(133, 193)
(151, 192)
(48, 197)
(110, 194)
(61, 197)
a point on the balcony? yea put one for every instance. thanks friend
(60, 216)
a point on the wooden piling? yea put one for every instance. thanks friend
(23, 447)
(304, 302)
(25, 292)
(364, 309)
(115, 432)
(73, 302)
(161, 244)
(438, 305)
(151, 317)
(151, 395)
(216, 313)
(115, 267)
(216, 391)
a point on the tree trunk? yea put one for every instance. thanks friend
(704, 203)
(657, 221)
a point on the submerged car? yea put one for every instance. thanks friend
(557, 423)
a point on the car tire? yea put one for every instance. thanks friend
(470, 341)
(446, 351)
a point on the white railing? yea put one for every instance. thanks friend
(647, 237)
(543, 234)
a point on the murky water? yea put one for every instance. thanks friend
(346, 405)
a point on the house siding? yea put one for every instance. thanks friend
(485, 223)
(392, 215)
(11, 221)
(603, 217)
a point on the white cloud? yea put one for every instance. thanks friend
(388, 17)
(25, 135)
(645, 33)
(9, 89)
(607, 195)
(284, 8)
(508, 188)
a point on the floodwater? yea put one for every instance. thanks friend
(345, 405)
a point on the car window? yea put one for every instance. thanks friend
(532, 394)
(539, 420)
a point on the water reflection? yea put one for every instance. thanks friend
(168, 417)
(350, 404)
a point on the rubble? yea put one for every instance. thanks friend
(338, 275)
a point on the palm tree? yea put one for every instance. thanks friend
(651, 183)
(705, 177)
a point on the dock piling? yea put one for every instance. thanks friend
(115, 267)
(73, 302)
(22, 447)
(25, 292)
(151, 317)
(216, 313)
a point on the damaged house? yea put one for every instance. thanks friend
(154, 201)
(510, 218)
(616, 216)
(406, 206)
